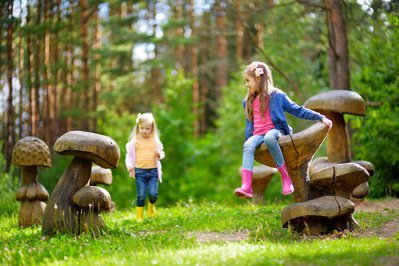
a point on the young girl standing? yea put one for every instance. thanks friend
(264, 108)
(143, 154)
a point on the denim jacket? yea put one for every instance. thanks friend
(278, 105)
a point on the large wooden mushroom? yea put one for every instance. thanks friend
(298, 149)
(62, 214)
(334, 104)
(29, 153)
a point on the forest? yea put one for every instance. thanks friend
(93, 65)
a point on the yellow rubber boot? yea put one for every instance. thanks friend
(139, 214)
(151, 209)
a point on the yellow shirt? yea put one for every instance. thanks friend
(145, 153)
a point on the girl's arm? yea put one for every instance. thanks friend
(159, 151)
(130, 158)
(300, 111)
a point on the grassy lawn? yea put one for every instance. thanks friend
(203, 234)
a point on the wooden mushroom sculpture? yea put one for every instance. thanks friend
(361, 190)
(91, 200)
(337, 180)
(298, 149)
(318, 216)
(29, 153)
(334, 104)
(62, 214)
(101, 176)
(262, 175)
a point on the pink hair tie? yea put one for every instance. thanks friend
(253, 66)
(258, 72)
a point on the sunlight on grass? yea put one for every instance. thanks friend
(170, 239)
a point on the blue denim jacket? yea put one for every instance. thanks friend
(279, 104)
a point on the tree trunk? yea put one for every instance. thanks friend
(221, 53)
(97, 70)
(29, 70)
(10, 133)
(37, 62)
(21, 71)
(338, 53)
(85, 62)
(197, 110)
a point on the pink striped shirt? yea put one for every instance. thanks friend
(261, 124)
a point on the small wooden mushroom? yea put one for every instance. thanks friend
(318, 216)
(334, 104)
(100, 175)
(262, 175)
(91, 200)
(360, 191)
(61, 214)
(337, 180)
(298, 149)
(29, 153)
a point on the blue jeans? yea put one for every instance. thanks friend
(146, 179)
(271, 141)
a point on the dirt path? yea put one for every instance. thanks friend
(390, 228)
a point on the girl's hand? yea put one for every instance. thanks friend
(327, 121)
(157, 154)
(132, 174)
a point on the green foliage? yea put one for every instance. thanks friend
(175, 122)
(376, 79)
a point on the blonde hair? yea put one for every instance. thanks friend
(144, 118)
(264, 88)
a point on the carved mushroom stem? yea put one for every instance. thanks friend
(338, 150)
(29, 174)
(61, 212)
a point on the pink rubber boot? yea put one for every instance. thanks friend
(245, 191)
(288, 187)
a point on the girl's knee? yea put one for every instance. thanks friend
(153, 198)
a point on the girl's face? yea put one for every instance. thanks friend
(251, 83)
(145, 129)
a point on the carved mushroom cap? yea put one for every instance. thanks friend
(102, 150)
(100, 175)
(93, 197)
(338, 179)
(31, 151)
(338, 101)
(327, 207)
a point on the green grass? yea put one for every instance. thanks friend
(169, 239)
